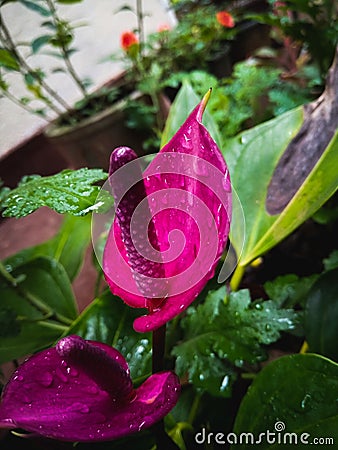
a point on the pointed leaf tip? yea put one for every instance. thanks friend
(203, 104)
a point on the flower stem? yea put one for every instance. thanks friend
(65, 52)
(194, 408)
(237, 277)
(164, 442)
(158, 349)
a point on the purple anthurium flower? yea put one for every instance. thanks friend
(82, 391)
(171, 225)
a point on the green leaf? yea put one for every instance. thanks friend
(318, 187)
(321, 315)
(34, 6)
(332, 261)
(185, 101)
(39, 42)
(41, 298)
(221, 331)
(298, 392)
(68, 2)
(70, 191)
(9, 325)
(4, 191)
(289, 290)
(252, 158)
(108, 319)
(67, 246)
(8, 60)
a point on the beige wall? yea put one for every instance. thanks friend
(95, 40)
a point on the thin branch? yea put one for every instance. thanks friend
(18, 102)
(12, 47)
(64, 53)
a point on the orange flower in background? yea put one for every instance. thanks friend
(225, 19)
(128, 39)
(163, 27)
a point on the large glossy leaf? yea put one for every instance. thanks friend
(321, 315)
(109, 320)
(67, 247)
(184, 103)
(37, 308)
(252, 158)
(293, 394)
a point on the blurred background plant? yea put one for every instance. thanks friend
(56, 41)
(304, 26)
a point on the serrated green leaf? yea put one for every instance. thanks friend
(45, 282)
(70, 191)
(4, 191)
(108, 319)
(289, 290)
(67, 247)
(8, 60)
(321, 315)
(332, 261)
(223, 332)
(300, 393)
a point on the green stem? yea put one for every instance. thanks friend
(18, 102)
(237, 277)
(25, 68)
(140, 24)
(65, 54)
(31, 298)
(194, 408)
(158, 349)
(164, 442)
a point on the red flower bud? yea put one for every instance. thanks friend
(225, 19)
(128, 39)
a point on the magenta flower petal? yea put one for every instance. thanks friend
(81, 391)
(186, 198)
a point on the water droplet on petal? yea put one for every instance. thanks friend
(61, 375)
(141, 425)
(72, 371)
(18, 378)
(25, 398)
(45, 379)
(92, 389)
(79, 407)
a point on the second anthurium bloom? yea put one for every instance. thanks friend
(171, 225)
(82, 391)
